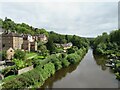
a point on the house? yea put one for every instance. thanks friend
(41, 37)
(29, 43)
(33, 46)
(28, 37)
(64, 46)
(10, 53)
(12, 40)
(67, 45)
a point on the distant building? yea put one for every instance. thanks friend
(67, 45)
(28, 37)
(41, 37)
(26, 45)
(29, 43)
(33, 46)
(12, 40)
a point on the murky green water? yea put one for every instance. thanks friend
(90, 73)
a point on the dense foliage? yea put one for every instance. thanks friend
(9, 25)
(109, 45)
(53, 58)
(19, 54)
(31, 78)
(76, 40)
(44, 70)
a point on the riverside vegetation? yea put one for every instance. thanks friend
(109, 45)
(43, 70)
(51, 58)
(47, 60)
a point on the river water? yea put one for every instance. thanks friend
(89, 73)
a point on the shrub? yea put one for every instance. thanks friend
(31, 77)
(65, 63)
(19, 54)
(72, 50)
(71, 58)
(19, 63)
(43, 70)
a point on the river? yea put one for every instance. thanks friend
(89, 73)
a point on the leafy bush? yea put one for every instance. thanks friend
(73, 58)
(19, 54)
(19, 63)
(30, 78)
(72, 50)
(65, 63)
(43, 70)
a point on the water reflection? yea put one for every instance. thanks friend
(100, 60)
(58, 76)
(90, 73)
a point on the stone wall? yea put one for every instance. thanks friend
(25, 70)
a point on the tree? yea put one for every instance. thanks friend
(19, 54)
(50, 45)
(72, 50)
(68, 38)
(43, 49)
(8, 24)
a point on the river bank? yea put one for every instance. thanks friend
(87, 74)
(44, 69)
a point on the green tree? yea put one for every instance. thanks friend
(43, 49)
(8, 24)
(50, 45)
(19, 54)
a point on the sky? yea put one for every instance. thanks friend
(86, 19)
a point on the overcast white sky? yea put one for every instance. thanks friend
(87, 19)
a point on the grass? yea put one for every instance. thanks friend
(30, 55)
(8, 78)
(40, 57)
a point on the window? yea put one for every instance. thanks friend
(3, 45)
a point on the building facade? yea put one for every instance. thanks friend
(29, 44)
(12, 40)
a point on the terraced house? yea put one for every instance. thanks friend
(29, 43)
(11, 40)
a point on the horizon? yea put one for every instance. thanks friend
(85, 20)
